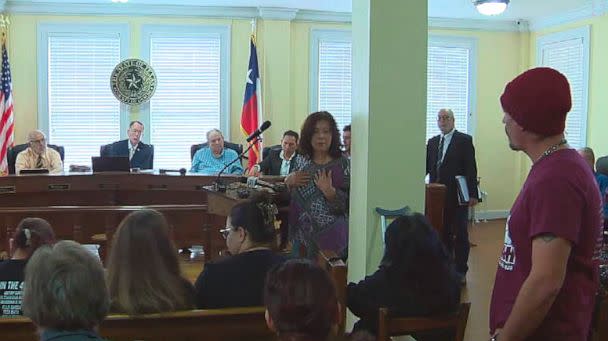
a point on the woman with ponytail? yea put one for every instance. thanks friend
(31, 234)
(238, 280)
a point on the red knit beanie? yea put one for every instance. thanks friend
(538, 100)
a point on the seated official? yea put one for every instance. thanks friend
(31, 234)
(65, 293)
(238, 280)
(415, 278)
(213, 158)
(140, 155)
(279, 162)
(346, 140)
(38, 155)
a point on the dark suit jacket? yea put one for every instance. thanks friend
(459, 159)
(271, 165)
(235, 281)
(143, 157)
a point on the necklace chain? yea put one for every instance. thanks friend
(552, 149)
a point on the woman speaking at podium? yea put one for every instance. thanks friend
(318, 213)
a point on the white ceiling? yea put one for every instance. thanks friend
(518, 9)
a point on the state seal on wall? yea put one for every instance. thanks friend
(133, 81)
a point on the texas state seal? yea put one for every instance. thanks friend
(133, 81)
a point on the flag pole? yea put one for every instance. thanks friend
(254, 27)
(4, 22)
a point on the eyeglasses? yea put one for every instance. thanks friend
(225, 232)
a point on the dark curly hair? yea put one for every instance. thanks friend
(308, 129)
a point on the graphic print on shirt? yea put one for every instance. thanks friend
(507, 259)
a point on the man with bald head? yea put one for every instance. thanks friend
(449, 155)
(211, 159)
(38, 155)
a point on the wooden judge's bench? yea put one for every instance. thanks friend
(83, 207)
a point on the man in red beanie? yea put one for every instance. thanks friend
(547, 275)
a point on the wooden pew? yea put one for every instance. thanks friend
(395, 326)
(206, 325)
(329, 261)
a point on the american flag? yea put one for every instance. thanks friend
(7, 126)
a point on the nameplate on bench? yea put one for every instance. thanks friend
(162, 187)
(7, 189)
(59, 187)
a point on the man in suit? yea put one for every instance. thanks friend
(279, 162)
(140, 155)
(448, 155)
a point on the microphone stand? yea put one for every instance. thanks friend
(219, 185)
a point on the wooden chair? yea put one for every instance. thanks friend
(208, 325)
(394, 326)
(336, 267)
(434, 205)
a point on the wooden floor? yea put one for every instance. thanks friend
(483, 260)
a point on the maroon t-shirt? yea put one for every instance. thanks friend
(560, 197)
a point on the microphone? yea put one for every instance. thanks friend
(181, 171)
(220, 187)
(259, 131)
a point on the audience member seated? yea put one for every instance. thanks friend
(346, 140)
(31, 234)
(301, 302)
(415, 278)
(320, 183)
(213, 158)
(141, 155)
(238, 280)
(65, 292)
(143, 270)
(279, 162)
(601, 179)
(38, 156)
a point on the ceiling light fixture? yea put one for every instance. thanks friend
(491, 7)
(120, 1)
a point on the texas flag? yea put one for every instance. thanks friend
(252, 106)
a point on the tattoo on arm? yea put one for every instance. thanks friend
(547, 237)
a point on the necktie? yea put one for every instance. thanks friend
(39, 162)
(131, 152)
(440, 155)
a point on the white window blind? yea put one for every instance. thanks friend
(448, 85)
(568, 53)
(187, 100)
(335, 76)
(83, 113)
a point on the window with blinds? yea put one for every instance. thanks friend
(450, 81)
(568, 52)
(77, 108)
(189, 97)
(332, 76)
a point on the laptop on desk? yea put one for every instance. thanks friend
(111, 164)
